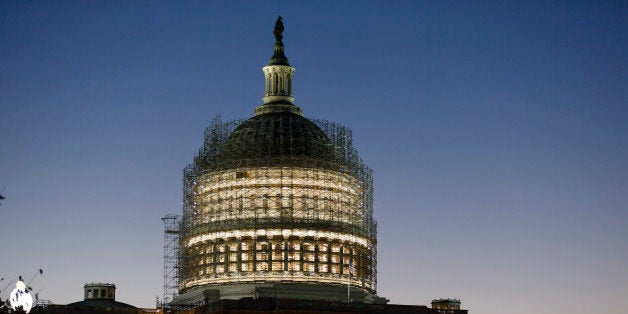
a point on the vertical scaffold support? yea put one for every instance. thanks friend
(171, 258)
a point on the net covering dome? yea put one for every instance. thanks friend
(277, 139)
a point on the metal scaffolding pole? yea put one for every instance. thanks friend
(171, 258)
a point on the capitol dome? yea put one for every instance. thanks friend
(277, 204)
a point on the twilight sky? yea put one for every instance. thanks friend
(498, 133)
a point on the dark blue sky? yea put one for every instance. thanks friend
(498, 132)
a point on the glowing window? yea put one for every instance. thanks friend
(277, 266)
(308, 266)
(262, 266)
(294, 256)
(294, 266)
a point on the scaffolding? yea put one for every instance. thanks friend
(276, 198)
(171, 258)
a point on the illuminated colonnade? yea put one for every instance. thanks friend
(276, 193)
(278, 224)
